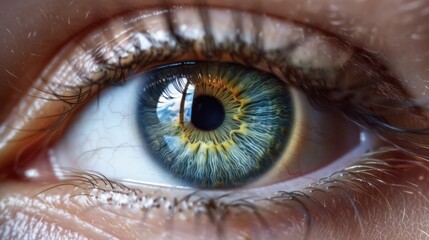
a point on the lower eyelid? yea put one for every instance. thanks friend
(373, 191)
(145, 216)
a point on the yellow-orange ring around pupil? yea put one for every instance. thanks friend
(246, 145)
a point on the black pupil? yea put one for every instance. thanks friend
(207, 113)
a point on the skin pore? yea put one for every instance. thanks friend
(395, 31)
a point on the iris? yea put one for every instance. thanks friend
(214, 125)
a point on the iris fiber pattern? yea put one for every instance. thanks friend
(257, 120)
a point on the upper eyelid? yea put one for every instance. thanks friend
(20, 53)
(102, 57)
(80, 16)
(48, 96)
(71, 99)
(116, 49)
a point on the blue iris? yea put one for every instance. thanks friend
(214, 125)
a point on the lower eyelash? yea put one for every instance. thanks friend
(371, 177)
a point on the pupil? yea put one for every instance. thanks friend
(207, 113)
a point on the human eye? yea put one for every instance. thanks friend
(355, 190)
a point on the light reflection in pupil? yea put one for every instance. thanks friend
(207, 113)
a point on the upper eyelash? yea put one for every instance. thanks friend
(322, 88)
(322, 94)
(355, 100)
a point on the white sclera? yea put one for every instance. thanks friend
(104, 138)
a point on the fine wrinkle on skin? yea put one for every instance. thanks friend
(374, 206)
(30, 218)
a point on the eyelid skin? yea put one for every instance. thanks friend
(373, 210)
(23, 36)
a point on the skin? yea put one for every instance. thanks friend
(397, 31)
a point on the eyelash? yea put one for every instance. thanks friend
(367, 178)
(357, 108)
(321, 93)
(356, 100)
